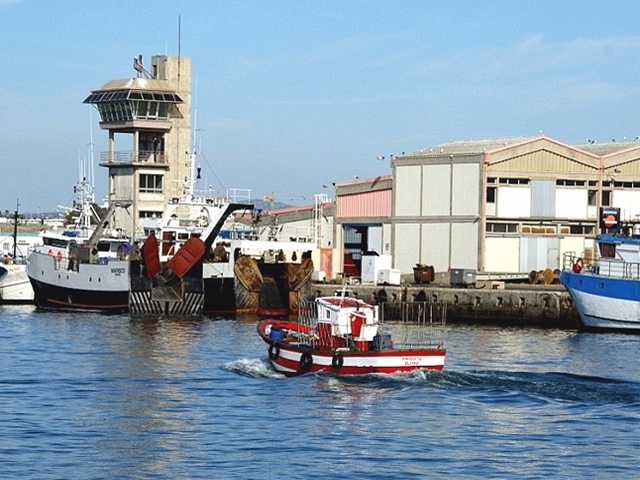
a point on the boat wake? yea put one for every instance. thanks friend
(541, 387)
(253, 368)
(482, 385)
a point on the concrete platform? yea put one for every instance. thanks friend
(489, 302)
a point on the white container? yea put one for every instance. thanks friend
(371, 265)
(389, 276)
(319, 276)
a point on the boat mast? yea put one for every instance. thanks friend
(194, 152)
(15, 230)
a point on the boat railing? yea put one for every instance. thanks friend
(605, 267)
(415, 324)
(412, 325)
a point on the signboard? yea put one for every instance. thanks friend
(609, 218)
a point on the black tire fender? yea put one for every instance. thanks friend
(337, 361)
(274, 351)
(306, 362)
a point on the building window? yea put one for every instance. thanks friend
(539, 229)
(150, 183)
(592, 198)
(491, 194)
(581, 229)
(626, 184)
(502, 228)
(149, 214)
(570, 183)
(513, 181)
(606, 198)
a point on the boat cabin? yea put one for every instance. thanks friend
(345, 316)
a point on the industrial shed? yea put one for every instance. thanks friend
(508, 205)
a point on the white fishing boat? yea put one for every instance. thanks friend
(73, 272)
(14, 282)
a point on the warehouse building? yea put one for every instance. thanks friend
(507, 205)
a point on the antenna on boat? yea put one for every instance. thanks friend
(194, 172)
(15, 230)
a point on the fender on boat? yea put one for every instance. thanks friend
(188, 255)
(151, 256)
(306, 362)
(337, 361)
(274, 351)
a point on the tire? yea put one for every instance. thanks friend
(337, 361)
(274, 351)
(306, 362)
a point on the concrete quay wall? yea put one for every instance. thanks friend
(490, 303)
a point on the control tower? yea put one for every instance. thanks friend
(148, 118)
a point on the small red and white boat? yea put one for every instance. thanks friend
(342, 335)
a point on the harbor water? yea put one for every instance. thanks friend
(102, 397)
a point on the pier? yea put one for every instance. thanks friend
(490, 303)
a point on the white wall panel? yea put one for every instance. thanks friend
(386, 239)
(407, 191)
(406, 244)
(571, 203)
(436, 191)
(575, 245)
(514, 202)
(629, 203)
(435, 246)
(466, 189)
(502, 254)
(464, 245)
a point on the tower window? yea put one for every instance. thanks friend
(150, 183)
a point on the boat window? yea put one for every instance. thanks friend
(55, 242)
(607, 250)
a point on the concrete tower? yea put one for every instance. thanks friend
(149, 118)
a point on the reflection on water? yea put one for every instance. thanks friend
(145, 409)
(89, 396)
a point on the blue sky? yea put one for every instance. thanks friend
(292, 95)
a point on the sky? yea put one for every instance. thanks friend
(291, 96)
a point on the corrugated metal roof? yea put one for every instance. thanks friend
(359, 181)
(469, 146)
(607, 148)
(479, 146)
(294, 209)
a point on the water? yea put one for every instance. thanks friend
(103, 397)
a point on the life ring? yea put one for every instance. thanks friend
(578, 265)
(306, 362)
(337, 361)
(274, 351)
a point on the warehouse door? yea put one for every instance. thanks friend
(539, 253)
